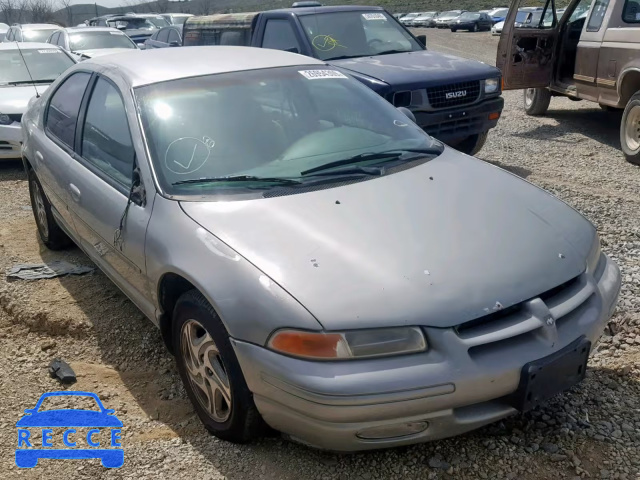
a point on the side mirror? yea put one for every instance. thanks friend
(121, 27)
(422, 39)
(407, 113)
(292, 50)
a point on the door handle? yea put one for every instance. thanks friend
(75, 192)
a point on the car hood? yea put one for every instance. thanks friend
(438, 244)
(69, 418)
(16, 99)
(98, 52)
(419, 69)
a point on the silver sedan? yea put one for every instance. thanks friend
(315, 261)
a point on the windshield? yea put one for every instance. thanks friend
(500, 12)
(427, 15)
(275, 124)
(40, 36)
(96, 40)
(449, 14)
(132, 24)
(356, 34)
(179, 20)
(44, 65)
(159, 21)
(469, 16)
(411, 15)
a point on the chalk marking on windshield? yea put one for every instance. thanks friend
(199, 155)
(325, 43)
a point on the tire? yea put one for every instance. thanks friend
(454, 30)
(536, 101)
(50, 232)
(474, 28)
(235, 419)
(472, 144)
(630, 130)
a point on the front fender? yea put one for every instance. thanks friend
(250, 304)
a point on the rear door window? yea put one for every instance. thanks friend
(62, 113)
(163, 35)
(174, 36)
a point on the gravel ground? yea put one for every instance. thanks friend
(591, 432)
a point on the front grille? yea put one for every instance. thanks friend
(16, 117)
(500, 332)
(460, 127)
(461, 93)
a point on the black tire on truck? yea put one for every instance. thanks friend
(536, 101)
(472, 144)
(630, 130)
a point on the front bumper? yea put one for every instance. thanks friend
(10, 141)
(460, 122)
(461, 383)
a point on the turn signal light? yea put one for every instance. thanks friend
(494, 116)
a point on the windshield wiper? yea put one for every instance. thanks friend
(389, 52)
(240, 178)
(391, 155)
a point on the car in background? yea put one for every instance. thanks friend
(137, 27)
(315, 324)
(24, 73)
(4, 28)
(91, 42)
(176, 18)
(472, 21)
(411, 21)
(100, 21)
(523, 18)
(426, 19)
(446, 18)
(498, 14)
(158, 20)
(408, 17)
(30, 32)
(165, 37)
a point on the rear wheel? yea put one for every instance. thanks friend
(536, 101)
(472, 144)
(454, 29)
(211, 373)
(50, 232)
(630, 130)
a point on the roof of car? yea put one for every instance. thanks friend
(90, 29)
(159, 65)
(26, 46)
(39, 26)
(338, 8)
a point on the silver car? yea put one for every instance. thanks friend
(313, 259)
(85, 43)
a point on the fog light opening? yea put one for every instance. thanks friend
(392, 431)
(494, 116)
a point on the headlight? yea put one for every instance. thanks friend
(5, 120)
(491, 85)
(347, 345)
(594, 255)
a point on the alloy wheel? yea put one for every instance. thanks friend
(41, 212)
(529, 95)
(632, 129)
(206, 371)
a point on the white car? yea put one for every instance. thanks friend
(24, 74)
(92, 42)
(29, 32)
(497, 28)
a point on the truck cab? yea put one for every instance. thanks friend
(588, 51)
(453, 99)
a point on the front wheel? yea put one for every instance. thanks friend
(630, 130)
(474, 28)
(454, 29)
(536, 101)
(472, 144)
(211, 373)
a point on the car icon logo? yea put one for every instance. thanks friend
(70, 439)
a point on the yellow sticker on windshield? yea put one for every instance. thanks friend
(325, 43)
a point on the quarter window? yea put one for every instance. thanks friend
(62, 113)
(631, 12)
(106, 140)
(174, 36)
(163, 35)
(597, 15)
(279, 35)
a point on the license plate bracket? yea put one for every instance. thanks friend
(544, 378)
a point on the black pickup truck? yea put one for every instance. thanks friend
(453, 99)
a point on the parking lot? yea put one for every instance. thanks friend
(590, 432)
